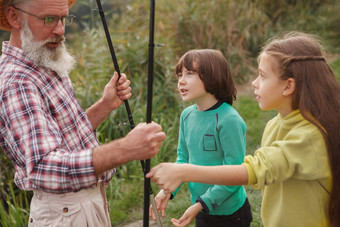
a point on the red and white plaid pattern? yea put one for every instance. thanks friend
(43, 129)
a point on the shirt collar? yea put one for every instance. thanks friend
(13, 51)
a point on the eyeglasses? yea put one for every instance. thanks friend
(52, 21)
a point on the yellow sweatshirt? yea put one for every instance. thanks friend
(293, 171)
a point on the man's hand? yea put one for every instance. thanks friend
(142, 142)
(116, 91)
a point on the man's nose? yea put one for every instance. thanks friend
(59, 29)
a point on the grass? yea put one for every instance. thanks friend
(16, 210)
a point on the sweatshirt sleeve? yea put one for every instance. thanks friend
(302, 154)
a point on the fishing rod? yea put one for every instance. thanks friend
(147, 184)
(148, 193)
(114, 59)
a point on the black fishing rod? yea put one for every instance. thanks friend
(114, 59)
(147, 184)
(148, 193)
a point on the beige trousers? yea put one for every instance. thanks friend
(87, 207)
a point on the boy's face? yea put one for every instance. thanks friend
(191, 87)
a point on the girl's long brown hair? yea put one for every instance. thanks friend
(317, 95)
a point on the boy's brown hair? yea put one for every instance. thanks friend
(213, 69)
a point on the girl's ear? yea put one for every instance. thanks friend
(290, 87)
(13, 17)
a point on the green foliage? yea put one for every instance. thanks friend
(14, 203)
(227, 26)
(280, 10)
(15, 211)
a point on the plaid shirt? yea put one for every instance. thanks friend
(43, 129)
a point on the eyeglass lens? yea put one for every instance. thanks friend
(52, 21)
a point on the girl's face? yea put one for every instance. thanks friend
(271, 91)
(191, 88)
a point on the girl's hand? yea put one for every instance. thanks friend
(161, 200)
(167, 176)
(188, 215)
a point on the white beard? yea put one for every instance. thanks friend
(57, 59)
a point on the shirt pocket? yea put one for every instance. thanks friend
(209, 143)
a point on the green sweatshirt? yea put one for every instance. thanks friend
(292, 169)
(209, 138)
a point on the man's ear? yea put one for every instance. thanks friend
(13, 17)
(290, 86)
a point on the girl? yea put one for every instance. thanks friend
(211, 133)
(298, 164)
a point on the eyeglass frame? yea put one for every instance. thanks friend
(54, 18)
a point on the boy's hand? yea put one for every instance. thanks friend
(188, 215)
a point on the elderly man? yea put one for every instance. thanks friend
(44, 131)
